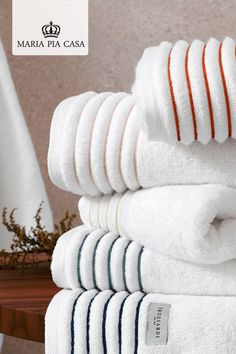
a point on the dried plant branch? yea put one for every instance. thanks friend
(28, 245)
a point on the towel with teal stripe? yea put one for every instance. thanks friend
(90, 258)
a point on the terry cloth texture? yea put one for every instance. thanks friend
(187, 91)
(96, 147)
(195, 223)
(94, 322)
(90, 258)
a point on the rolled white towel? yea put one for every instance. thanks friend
(96, 147)
(88, 258)
(187, 92)
(195, 223)
(114, 323)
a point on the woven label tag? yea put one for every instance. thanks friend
(157, 324)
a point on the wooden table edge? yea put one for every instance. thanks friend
(24, 298)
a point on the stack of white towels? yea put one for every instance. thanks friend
(153, 268)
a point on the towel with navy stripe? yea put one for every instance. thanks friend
(93, 322)
(94, 259)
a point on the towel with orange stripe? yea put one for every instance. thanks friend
(187, 91)
(97, 146)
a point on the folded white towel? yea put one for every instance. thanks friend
(93, 322)
(87, 258)
(96, 147)
(187, 92)
(195, 223)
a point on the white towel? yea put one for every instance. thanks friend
(21, 183)
(96, 147)
(88, 258)
(93, 322)
(187, 92)
(195, 223)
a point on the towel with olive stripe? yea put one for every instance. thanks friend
(92, 258)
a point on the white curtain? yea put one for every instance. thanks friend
(21, 184)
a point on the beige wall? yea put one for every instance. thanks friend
(119, 31)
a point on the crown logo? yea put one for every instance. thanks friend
(51, 30)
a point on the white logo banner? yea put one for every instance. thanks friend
(50, 27)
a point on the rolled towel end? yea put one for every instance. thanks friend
(186, 91)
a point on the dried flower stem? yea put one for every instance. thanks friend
(28, 245)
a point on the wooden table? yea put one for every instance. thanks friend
(24, 297)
